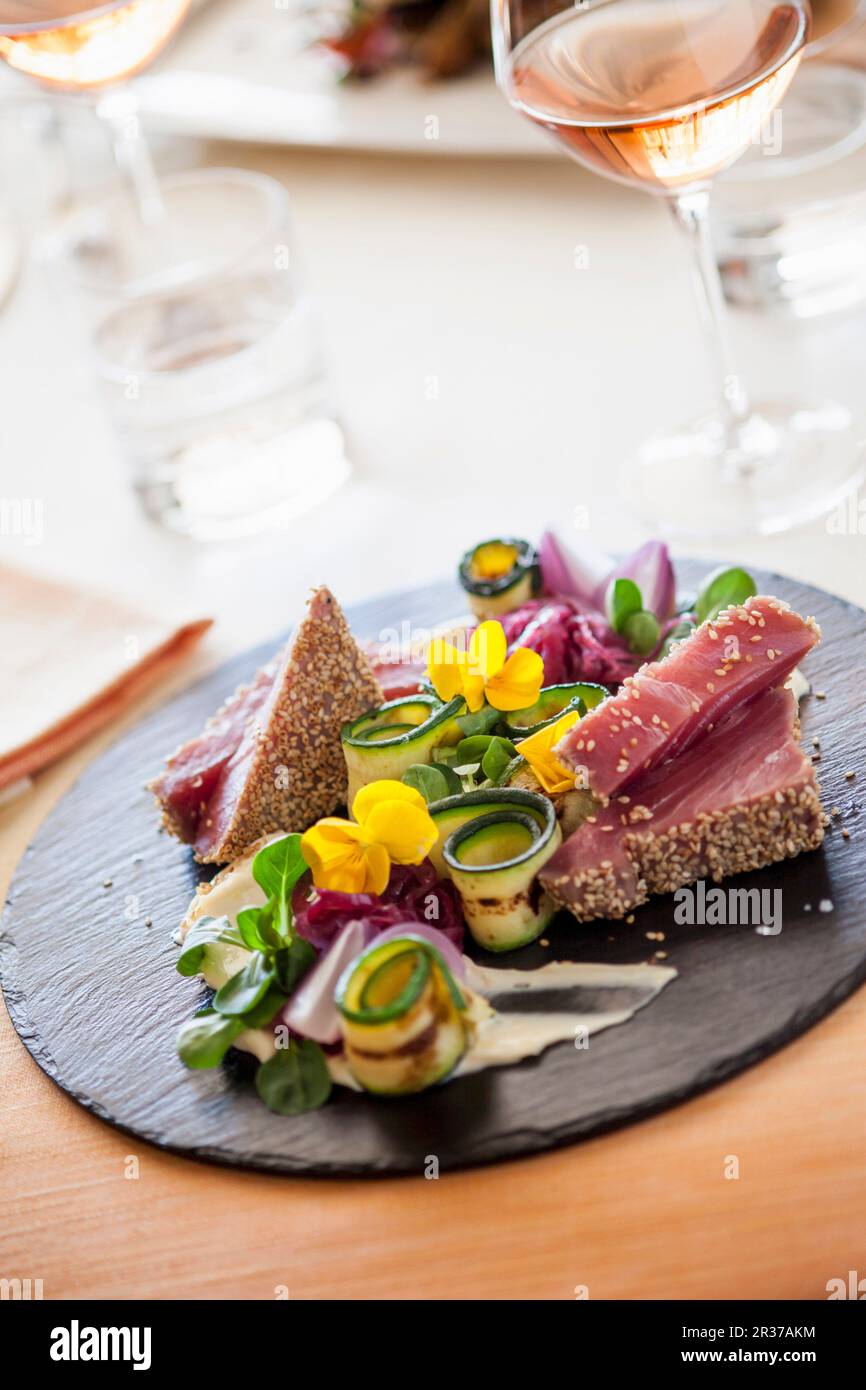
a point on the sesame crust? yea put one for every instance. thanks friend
(297, 772)
(778, 826)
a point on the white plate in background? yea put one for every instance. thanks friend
(246, 70)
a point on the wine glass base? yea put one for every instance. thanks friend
(791, 463)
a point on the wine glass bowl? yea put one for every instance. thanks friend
(663, 95)
(637, 93)
(73, 46)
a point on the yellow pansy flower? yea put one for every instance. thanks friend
(392, 826)
(538, 752)
(486, 671)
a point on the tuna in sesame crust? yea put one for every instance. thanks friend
(271, 759)
(191, 774)
(667, 704)
(742, 797)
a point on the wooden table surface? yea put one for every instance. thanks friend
(646, 1212)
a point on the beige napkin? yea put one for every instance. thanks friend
(69, 663)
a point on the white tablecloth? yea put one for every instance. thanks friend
(501, 335)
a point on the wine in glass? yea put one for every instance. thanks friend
(72, 45)
(663, 95)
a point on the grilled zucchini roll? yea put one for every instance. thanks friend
(401, 1017)
(492, 844)
(386, 741)
(500, 575)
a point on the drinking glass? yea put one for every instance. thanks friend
(662, 95)
(206, 352)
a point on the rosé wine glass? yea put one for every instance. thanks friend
(662, 95)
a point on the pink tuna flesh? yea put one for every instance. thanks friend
(667, 704)
(192, 773)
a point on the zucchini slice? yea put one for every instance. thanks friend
(552, 702)
(386, 741)
(492, 844)
(401, 1017)
(499, 575)
(453, 811)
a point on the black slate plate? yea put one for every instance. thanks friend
(93, 992)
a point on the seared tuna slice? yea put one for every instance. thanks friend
(191, 774)
(272, 759)
(742, 797)
(667, 704)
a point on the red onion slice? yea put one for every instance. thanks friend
(311, 1010)
(581, 573)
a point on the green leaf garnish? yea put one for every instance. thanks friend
(206, 1038)
(292, 962)
(479, 723)
(641, 630)
(723, 588)
(433, 783)
(254, 995)
(260, 1015)
(244, 990)
(295, 1079)
(471, 750)
(623, 598)
(276, 869)
(248, 920)
(205, 931)
(497, 759)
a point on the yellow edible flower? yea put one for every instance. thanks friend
(538, 752)
(485, 671)
(392, 826)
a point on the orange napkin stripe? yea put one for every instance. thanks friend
(108, 704)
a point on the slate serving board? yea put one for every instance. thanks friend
(93, 992)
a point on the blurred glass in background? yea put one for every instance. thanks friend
(202, 336)
(790, 218)
(206, 352)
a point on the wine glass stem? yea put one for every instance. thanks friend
(118, 111)
(692, 214)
